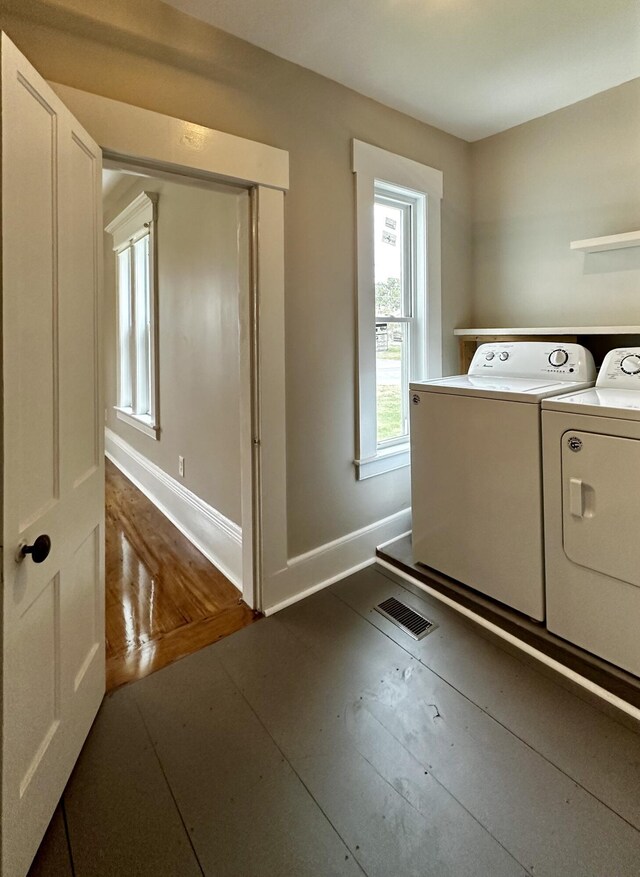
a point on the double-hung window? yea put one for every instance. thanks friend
(399, 327)
(134, 242)
(397, 310)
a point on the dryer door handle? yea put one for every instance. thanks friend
(576, 497)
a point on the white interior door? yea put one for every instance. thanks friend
(52, 452)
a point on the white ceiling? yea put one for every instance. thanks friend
(470, 67)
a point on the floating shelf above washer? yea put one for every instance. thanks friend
(555, 330)
(610, 242)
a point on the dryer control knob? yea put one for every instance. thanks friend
(490, 355)
(558, 357)
(504, 356)
(630, 365)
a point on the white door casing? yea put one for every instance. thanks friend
(160, 143)
(53, 470)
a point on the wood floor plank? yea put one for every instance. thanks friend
(164, 599)
(512, 791)
(247, 811)
(175, 644)
(534, 707)
(121, 817)
(394, 816)
(53, 858)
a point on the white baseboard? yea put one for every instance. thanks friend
(218, 538)
(321, 567)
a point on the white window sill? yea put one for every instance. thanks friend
(396, 457)
(139, 421)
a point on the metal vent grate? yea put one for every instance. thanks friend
(409, 620)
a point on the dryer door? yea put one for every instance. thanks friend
(600, 498)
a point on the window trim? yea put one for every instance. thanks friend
(136, 221)
(370, 165)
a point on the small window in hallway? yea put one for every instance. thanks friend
(134, 243)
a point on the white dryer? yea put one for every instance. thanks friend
(476, 477)
(592, 493)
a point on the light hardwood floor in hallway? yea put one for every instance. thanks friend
(164, 599)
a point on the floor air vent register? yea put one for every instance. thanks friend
(407, 619)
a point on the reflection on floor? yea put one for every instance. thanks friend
(164, 598)
(324, 741)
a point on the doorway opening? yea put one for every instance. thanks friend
(176, 267)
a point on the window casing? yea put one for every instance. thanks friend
(134, 244)
(399, 324)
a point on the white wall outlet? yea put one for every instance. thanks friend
(181, 466)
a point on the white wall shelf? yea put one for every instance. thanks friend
(610, 242)
(554, 330)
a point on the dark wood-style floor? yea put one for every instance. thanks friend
(400, 555)
(164, 599)
(325, 742)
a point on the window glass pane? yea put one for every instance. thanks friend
(124, 328)
(142, 326)
(390, 258)
(392, 381)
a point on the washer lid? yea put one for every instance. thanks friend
(598, 401)
(513, 389)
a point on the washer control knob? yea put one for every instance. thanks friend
(490, 355)
(630, 364)
(558, 357)
(504, 356)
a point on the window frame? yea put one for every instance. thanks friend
(136, 223)
(412, 205)
(375, 168)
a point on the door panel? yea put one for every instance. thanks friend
(600, 484)
(81, 603)
(29, 252)
(52, 469)
(78, 321)
(36, 715)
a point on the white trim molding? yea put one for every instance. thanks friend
(382, 165)
(322, 566)
(138, 421)
(386, 460)
(154, 142)
(134, 219)
(129, 132)
(218, 538)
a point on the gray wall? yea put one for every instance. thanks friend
(146, 53)
(200, 271)
(571, 175)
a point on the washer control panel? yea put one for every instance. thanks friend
(535, 359)
(621, 369)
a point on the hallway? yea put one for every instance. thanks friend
(164, 599)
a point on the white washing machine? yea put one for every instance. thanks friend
(476, 477)
(591, 443)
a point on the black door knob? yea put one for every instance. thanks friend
(40, 549)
